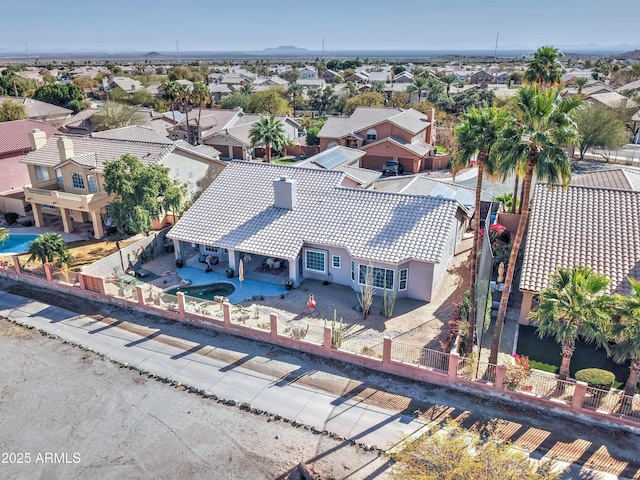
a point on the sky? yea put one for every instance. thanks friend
(252, 25)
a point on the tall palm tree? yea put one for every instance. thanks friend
(351, 89)
(533, 141)
(544, 68)
(448, 79)
(171, 95)
(269, 131)
(295, 92)
(417, 86)
(580, 83)
(184, 97)
(246, 88)
(573, 305)
(477, 133)
(627, 332)
(201, 96)
(47, 247)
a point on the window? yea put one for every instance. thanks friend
(372, 134)
(351, 143)
(42, 173)
(353, 271)
(93, 185)
(402, 279)
(198, 183)
(176, 172)
(49, 207)
(314, 260)
(77, 180)
(210, 249)
(382, 277)
(59, 175)
(190, 174)
(335, 261)
(332, 144)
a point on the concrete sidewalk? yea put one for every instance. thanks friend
(190, 364)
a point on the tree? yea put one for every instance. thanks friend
(47, 248)
(142, 97)
(574, 305)
(10, 110)
(246, 88)
(268, 102)
(580, 83)
(322, 98)
(533, 140)
(295, 93)
(59, 94)
(453, 453)
(171, 95)
(626, 331)
(234, 100)
(544, 68)
(312, 136)
(367, 99)
(448, 79)
(4, 235)
(184, 98)
(115, 115)
(477, 132)
(600, 127)
(269, 131)
(201, 96)
(417, 86)
(142, 191)
(635, 70)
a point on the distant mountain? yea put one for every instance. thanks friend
(285, 48)
(633, 55)
(152, 54)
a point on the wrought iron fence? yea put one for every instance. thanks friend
(64, 275)
(548, 386)
(474, 369)
(362, 345)
(612, 402)
(424, 357)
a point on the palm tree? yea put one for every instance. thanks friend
(4, 235)
(295, 92)
(269, 131)
(47, 247)
(541, 126)
(477, 133)
(201, 96)
(627, 334)
(246, 88)
(449, 79)
(544, 68)
(417, 86)
(184, 97)
(351, 89)
(573, 305)
(580, 83)
(171, 95)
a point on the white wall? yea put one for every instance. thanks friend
(191, 169)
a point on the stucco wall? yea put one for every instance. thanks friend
(191, 170)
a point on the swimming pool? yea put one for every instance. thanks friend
(17, 243)
(206, 292)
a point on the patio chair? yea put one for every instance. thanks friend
(120, 274)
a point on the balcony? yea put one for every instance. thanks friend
(71, 201)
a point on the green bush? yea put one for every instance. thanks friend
(596, 377)
(11, 217)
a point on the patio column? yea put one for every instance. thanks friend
(37, 214)
(96, 220)
(65, 213)
(230, 151)
(232, 259)
(525, 308)
(293, 271)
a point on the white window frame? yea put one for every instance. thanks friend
(335, 264)
(382, 284)
(79, 176)
(92, 183)
(372, 134)
(176, 172)
(59, 176)
(319, 252)
(42, 173)
(404, 272)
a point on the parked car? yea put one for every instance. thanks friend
(392, 167)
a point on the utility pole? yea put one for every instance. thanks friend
(28, 54)
(495, 51)
(178, 50)
(322, 48)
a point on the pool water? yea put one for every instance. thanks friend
(206, 292)
(17, 243)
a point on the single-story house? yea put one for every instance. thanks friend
(320, 230)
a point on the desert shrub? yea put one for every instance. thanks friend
(596, 377)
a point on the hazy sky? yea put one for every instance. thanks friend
(251, 25)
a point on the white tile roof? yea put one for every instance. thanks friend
(237, 212)
(134, 133)
(363, 117)
(596, 227)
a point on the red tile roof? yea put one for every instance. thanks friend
(14, 135)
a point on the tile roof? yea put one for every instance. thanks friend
(596, 227)
(419, 148)
(14, 135)
(423, 185)
(618, 178)
(105, 149)
(363, 117)
(237, 212)
(134, 133)
(37, 109)
(614, 100)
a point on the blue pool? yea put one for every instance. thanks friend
(17, 243)
(206, 292)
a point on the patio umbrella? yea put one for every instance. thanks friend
(241, 273)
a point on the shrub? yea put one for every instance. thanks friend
(596, 377)
(518, 373)
(11, 217)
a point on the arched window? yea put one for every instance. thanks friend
(372, 134)
(332, 144)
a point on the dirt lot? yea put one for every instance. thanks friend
(109, 422)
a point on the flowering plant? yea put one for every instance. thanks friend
(518, 372)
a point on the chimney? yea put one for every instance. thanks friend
(284, 193)
(65, 148)
(37, 138)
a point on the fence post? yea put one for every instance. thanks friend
(226, 313)
(454, 358)
(83, 286)
(273, 321)
(386, 350)
(328, 336)
(140, 295)
(501, 371)
(578, 396)
(180, 296)
(16, 264)
(101, 288)
(47, 272)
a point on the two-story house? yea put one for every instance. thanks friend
(384, 134)
(308, 72)
(66, 174)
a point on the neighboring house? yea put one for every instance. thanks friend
(384, 134)
(307, 72)
(612, 100)
(331, 76)
(262, 83)
(42, 111)
(323, 231)
(502, 78)
(631, 86)
(480, 77)
(218, 92)
(134, 133)
(66, 174)
(81, 123)
(581, 225)
(358, 77)
(312, 83)
(346, 160)
(127, 84)
(15, 142)
(403, 77)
